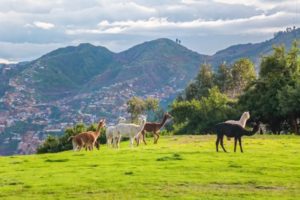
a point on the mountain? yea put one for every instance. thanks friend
(255, 51)
(85, 82)
(156, 64)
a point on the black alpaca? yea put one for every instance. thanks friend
(232, 130)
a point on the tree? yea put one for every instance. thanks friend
(203, 82)
(198, 116)
(273, 96)
(152, 108)
(224, 79)
(243, 72)
(136, 106)
(289, 95)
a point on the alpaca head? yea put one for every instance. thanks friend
(101, 123)
(246, 115)
(121, 120)
(142, 119)
(167, 115)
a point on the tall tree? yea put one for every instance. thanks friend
(273, 97)
(289, 95)
(135, 106)
(203, 82)
(138, 106)
(243, 72)
(224, 79)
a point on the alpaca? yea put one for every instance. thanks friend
(128, 130)
(87, 139)
(232, 130)
(154, 127)
(243, 120)
(110, 131)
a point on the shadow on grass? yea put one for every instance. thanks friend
(128, 173)
(57, 160)
(175, 156)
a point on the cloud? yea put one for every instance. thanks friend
(160, 25)
(119, 24)
(43, 25)
(4, 61)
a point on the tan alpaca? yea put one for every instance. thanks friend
(87, 139)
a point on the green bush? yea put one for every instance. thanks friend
(54, 144)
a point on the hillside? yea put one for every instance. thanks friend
(256, 50)
(178, 167)
(84, 83)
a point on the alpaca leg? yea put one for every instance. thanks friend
(143, 133)
(156, 138)
(235, 141)
(217, 144)
(115, 142)
(108, 141)
(97, 145)
(119, 140)
(92, 147)
(222, 144)
(131, 142)
(74, 145)
(240, 142)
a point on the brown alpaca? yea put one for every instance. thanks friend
(154, 127)
(87, 139)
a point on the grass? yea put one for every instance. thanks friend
(178, 167)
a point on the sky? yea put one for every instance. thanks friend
(31, 28)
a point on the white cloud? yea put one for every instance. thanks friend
(43, 25)
(5, 61)
(163, 24)
(123, 23)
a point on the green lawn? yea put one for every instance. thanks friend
(178, 167)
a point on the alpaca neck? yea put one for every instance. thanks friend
(163, 122)
(243, 120)
(142, 125)
(97, 132)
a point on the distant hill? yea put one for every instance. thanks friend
(255, 51)
(66, 71)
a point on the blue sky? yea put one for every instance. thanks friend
(31, 28)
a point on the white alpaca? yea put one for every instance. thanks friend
(242, 122)
(111, 131)
(132, 131)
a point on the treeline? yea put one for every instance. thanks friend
(272, 98)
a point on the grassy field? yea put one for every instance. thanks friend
(178, 167)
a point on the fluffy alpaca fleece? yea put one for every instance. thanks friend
(87, 139)
(111, 131)
(132, 131)
(243, 120)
